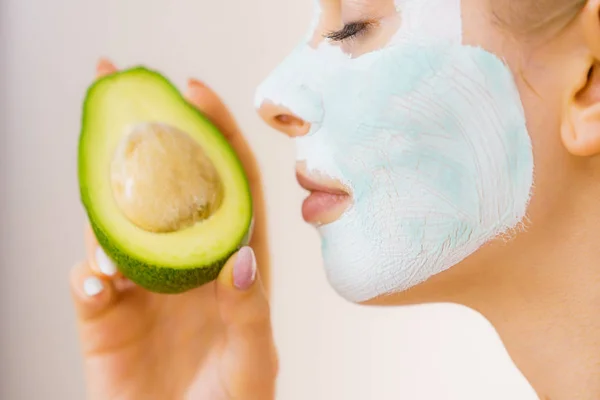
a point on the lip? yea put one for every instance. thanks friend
(326, 202)
(315, 186)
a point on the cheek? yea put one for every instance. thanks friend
(555, 180)
(537, 85)
(433, 142)
(436, 129)
(476, 24)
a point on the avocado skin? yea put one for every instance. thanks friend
(151, 277)
(155, 278)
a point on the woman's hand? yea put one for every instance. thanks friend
(211, 343)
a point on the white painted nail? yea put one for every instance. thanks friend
(92, 286)
(107, 267)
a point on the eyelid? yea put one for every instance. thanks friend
(350, 30)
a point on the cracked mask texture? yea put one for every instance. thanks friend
(430, 136)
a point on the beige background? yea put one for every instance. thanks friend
(329, 349)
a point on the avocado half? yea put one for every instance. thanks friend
(164, 262)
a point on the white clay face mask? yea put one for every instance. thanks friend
(430, 136)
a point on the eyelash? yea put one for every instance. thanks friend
(350, 31)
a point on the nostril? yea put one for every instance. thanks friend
(286, 119)
(283, 120)
(291, 125)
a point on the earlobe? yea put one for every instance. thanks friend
(581, 131)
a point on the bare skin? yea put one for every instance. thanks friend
(214, 342)
(540, 289)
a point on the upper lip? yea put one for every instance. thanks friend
(313, 185)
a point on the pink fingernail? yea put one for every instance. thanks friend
(244, 269)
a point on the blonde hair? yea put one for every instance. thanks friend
(532, 16)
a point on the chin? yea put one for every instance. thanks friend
(444, 287)
(398, 259)
(423, 293)
(454, 282)
(363, 268)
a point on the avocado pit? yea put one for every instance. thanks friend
(162, 180)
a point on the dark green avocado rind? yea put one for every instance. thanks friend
(154, 278)
(159, 279)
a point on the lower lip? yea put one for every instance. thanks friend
(321, 207)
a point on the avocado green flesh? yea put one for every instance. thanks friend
(161, 262)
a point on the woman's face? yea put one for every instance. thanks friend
(420, 117)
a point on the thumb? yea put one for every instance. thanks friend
(251, 355)
(243, 303)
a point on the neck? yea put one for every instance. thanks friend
(544, 302)
(546, 309)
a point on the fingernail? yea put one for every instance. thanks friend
(105, 264)
(194, 82)
(105, 66)
(244, 269)
(195, 85)
(92, 286)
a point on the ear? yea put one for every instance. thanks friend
(580, 131)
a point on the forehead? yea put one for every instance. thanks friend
(357, 3)
(352, 10)
(365, 5)
(360, 6)
(378, 4)
(441, 10)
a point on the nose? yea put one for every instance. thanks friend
(283, 120)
